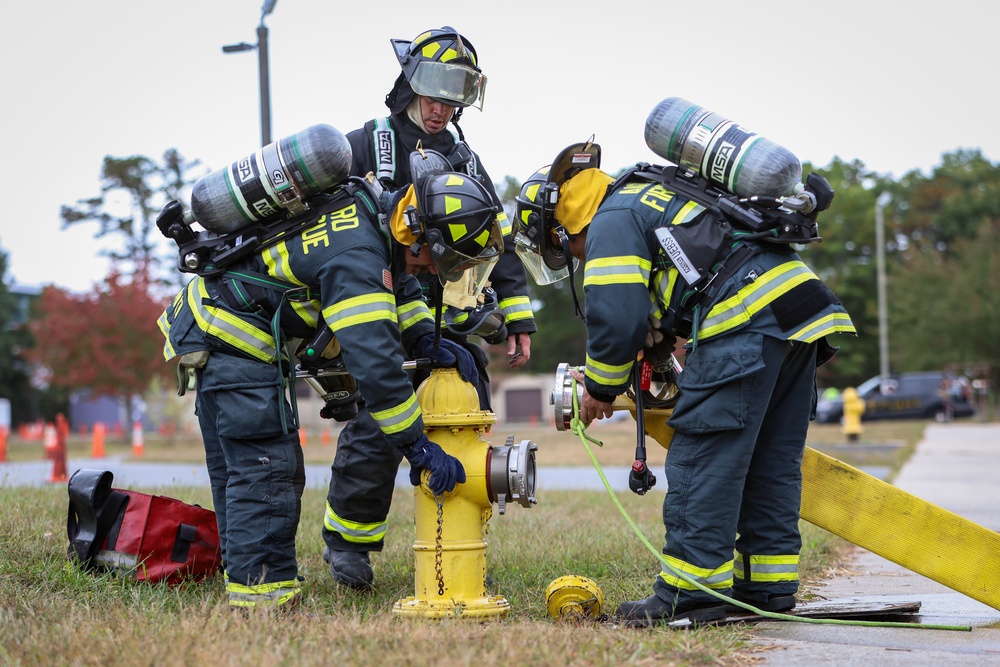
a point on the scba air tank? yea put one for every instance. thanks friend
(728, 155)
(276, 178)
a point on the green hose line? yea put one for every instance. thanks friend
(579, 428)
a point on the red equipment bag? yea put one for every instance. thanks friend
(133, 534)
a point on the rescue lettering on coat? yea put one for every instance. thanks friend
(337, 221)
(721, 161)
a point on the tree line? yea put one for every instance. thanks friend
(941, 231)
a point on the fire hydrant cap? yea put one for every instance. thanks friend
(573, 596)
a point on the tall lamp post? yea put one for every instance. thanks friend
(883, 311)
(265, 84)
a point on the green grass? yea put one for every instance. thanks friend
(51, 613)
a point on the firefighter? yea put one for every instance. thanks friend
(337, 273)
(747, 391)
(440, 76)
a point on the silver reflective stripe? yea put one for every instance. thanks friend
(227, 327)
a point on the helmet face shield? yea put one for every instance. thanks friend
(453, 84)
(533, 226)
(452, 263)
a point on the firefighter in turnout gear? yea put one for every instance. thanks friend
(338, 273)
(439, 77)
(756, 329)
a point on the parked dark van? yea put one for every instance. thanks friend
(904, 396)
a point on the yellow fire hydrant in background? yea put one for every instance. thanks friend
(450, 546)
(854, 407)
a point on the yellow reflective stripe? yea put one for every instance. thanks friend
(824, 326)
(617, 270)
(278, 265)
(718, 579)
(361, 309)
(751, 299)
(353, 531)
(411, 313)
(399, 418)
(768, 568)
(273, 594)
(687, 213)
(607, 374)
(227, 327)
(504, 222)
(663, 285)
(163, 322)
(516, 308)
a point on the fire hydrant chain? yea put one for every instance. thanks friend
(438, 550)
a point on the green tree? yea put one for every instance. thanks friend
(943, 284)
(133, 191)
(15, 341)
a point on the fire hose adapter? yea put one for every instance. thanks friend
(574, 598)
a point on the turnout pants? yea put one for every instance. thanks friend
(257, 476)
(734, 468)
(363, 476)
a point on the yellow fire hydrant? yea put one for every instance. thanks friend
(450, 546)
(854, 407)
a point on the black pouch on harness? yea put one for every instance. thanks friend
(694, 248)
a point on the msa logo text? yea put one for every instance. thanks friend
(244, 169)
(721, 162)
(385, 147)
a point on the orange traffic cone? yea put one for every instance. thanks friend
(97, 441)
(138, 446)
(50, 439)
(59, 453)
(3, 443)
(325, 438)
(303, 437)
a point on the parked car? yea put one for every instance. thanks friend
(903, 396)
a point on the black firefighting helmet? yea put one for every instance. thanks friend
(535, 222)
(440, 64)
(456, 217)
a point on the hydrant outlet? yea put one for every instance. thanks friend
(511, 474)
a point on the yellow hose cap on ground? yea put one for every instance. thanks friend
(573, 597)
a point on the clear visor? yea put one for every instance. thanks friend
(535, 265)
(454, 84)
(451, 264)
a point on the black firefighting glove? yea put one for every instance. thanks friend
(659, 346)
(448, 354)
(446, 471)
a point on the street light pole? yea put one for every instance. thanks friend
(883, 310)
(262, 67)
(265, 84)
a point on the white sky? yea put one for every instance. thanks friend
(892, 84)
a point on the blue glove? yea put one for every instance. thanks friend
(446, 470)
(448, 354)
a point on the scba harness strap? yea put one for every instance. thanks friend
(384, 140)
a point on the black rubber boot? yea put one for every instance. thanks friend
(775, 603)
(350, 568)
(653, 611)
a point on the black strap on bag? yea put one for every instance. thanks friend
(93, 508)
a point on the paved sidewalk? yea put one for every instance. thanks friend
(956, 467)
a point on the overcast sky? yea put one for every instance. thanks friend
(892, 84)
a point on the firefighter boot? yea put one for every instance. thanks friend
(350, 568)
(654, 610)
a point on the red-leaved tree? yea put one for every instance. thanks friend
(106, 341)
